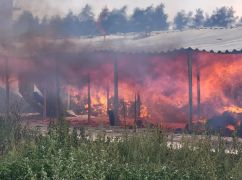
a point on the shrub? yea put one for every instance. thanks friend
(66, 154)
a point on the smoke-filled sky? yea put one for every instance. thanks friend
(61, 7)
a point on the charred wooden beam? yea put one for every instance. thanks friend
(189, 63)
(89, 98)
(116, 98)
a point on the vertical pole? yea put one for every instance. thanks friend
(89, 98)
(68, 99)
(45, 101)
(138, 105)
(135, 111)
(198, 93)
(57, 91)
(107, 99)
(124, 115)
(116, 99)
(7, 87)
(189, 62)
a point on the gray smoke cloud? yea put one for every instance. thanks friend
(41, 8)
(6, 10)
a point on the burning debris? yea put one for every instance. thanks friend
(225, 124)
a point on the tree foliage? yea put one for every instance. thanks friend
(199, 18)
(87, 21)
(149, 19)
(222, 17)
(111, 21)
(26, 24)
(182, 20)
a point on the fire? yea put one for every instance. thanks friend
(160, 80)
(144, 112)
(163, 85)
(230, 127)
(233, 109)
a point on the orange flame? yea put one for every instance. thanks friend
(164, 91)
(230, 127)
(233, 109)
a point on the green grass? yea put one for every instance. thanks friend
(61, 155)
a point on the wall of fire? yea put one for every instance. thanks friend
(157, 83)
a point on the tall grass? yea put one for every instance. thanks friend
(68, 154)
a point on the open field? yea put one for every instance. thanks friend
(64, 152)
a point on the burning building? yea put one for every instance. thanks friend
(172, 79)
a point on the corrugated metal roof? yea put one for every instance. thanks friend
(216, 40)
(211, 40)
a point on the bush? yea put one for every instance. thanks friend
(67, 154)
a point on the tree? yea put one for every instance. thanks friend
(71, 25)
(87, 21)
(149, 19)
(199, 19)
(222, 17)
(55, 26)
(102, 22)
(114, 21)
(118, 20)
(26, 24)
(159, 18)
(182, 20)
(45, 26)
(138, 20)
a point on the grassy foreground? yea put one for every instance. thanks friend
(60, 154)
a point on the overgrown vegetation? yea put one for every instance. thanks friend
(63, 153)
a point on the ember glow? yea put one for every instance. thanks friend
(233, 109)
(230, 127)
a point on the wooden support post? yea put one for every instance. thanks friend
(89, 98)
(45, 102)
(7, 87)
(68, 99)
(116, 98)
(135, 112)
(198, 93)
(189, 62)
(107, 99)
(57, 92)
(138, 106)
(124, 115)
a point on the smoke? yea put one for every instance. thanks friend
(39, 8)
(161, 80)
(6, 22)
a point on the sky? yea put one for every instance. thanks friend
(62, 7)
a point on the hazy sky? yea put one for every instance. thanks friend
(61, 7)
